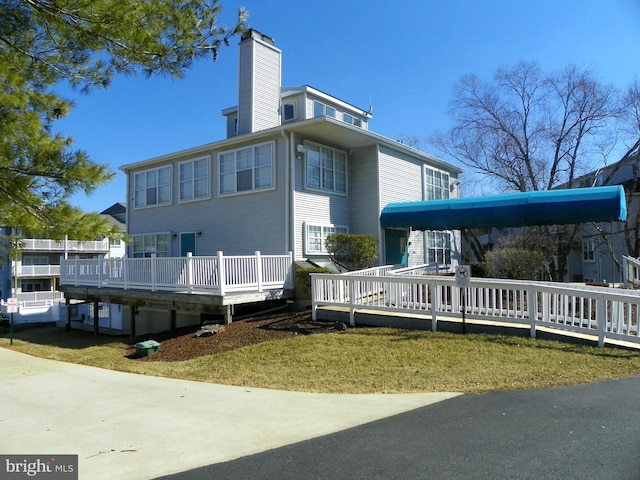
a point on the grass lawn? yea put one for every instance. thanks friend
(360, 360)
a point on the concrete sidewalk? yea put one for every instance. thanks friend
(136, 427)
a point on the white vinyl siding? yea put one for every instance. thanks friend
(246, 169)
(152, 187)
(194, 179)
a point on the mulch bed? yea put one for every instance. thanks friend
(182, 344)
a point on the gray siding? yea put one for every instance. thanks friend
(259, 87)
(364, 191)
(237, 224)
(400, 178)
(317, 208)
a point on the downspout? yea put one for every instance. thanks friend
(291, 165)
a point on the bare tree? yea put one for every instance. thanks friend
(530, 130)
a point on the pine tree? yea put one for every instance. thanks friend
(85, 43)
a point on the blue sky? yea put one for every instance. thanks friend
(402, 57)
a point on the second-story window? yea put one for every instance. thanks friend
(320, 109)
(194, 179)
(153, 187)
(246, 169)
(351, 119)
(326, 168)
(436, 184)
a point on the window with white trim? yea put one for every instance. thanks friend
(321, 110)
(194, 179)
(152, 187)
(148, 245)
(316, 237)
(289, 111)
(589, 250)
(436, 184)
(347, 118)
(246, 169)
(438, 246)
(326, 168)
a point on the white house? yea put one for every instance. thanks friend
(296, 166)
(30, 272)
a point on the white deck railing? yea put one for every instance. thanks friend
(47, 245)
(631, 270)
(605, 313)
(191, 274)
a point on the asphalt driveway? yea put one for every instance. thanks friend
(579, 432)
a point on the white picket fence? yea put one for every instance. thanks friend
(605, 313)
(217, 275)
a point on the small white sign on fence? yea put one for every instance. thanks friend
(463, 275)
(12, 305)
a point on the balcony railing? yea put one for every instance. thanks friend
(37, 271)
(71, 246)
(191, 274)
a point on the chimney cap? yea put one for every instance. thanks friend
(253, 33)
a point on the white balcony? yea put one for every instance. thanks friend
(62, 246)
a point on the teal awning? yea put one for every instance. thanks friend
(548, 207)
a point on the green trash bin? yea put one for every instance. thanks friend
(146, 348)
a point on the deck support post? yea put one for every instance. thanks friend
(67, 303)
(173, 319)
(228, 314)
(96, 318)
(132, 327)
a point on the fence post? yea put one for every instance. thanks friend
(532, 311)
(435, 305)
(189, 267)
(601, 318)
(314, 306)
(99, 267)
(221, 272)
(153, 272)
(125, 270)
(259, 271)
(290, 281)
(352, 308)
(77, 270)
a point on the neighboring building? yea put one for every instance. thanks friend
(603, 245)
(31, 272)
(296, 166)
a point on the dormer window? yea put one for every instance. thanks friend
(351, 119)
(321, 110)
(288, 112)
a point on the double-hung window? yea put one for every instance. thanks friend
(194, 179)
(246, 169)
(316, 236)
(152, 187)
(436, 183)
(589, 250)
(438, 246)
(326, 168)
(155, 244)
